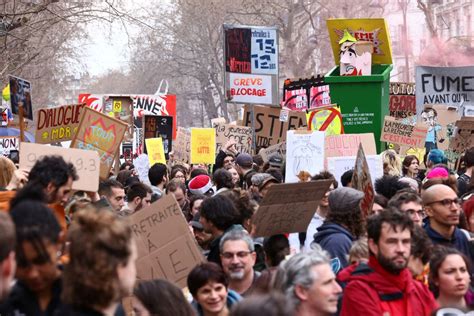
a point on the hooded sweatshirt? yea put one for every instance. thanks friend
(336, 240)
(374, 291)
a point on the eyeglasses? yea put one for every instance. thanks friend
(447, 202)
(240, 254)
(420, 213)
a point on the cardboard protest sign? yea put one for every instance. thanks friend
(166, 248)
(20, 94)
(101, 133)
(278, 149)
(203, 145)
(242, 135)
(397, 132)
(372, 30)
(304, 152)
(218, 120)
(57, 124)
(440, 120)
(8, 143)
(348, 144)
(362, 181)
(289, 207)
(327, 119)
(182, 145)
(402, 102)
(156, 152)
(452, 86)
(251, 64)
(94, 101)
(86, 162)
(142, 165)
(269, 129)
(159, 126)
(157, 104)
(338, 165)
(464, 135)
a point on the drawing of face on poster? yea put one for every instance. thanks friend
(304, 155)
(429, 117)
(356, 58)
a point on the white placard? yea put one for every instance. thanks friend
(338, 165)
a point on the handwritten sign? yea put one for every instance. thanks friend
(269, 129)
(182, 145)
(304, 152)
(362, 181)
(278, 149)
(101, 133)
(7, 144)
(86, 162)
(57, 124)
(242, 135)
(452, 86)
(156, 153)
(166, 248)
(289, 207)
(203, 145)
(338, 165)
(348, 144)
(246, 88)
(397, 132)
(402, 103)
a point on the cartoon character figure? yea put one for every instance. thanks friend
(355, 56)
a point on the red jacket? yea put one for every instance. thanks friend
(372, 290)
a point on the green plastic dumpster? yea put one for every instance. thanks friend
(363, 100)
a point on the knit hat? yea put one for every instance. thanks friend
(438, 173)
(436, 156)
(344, 200)
(200, 184)
(275, 161)
(244, 160)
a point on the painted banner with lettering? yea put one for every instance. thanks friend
(397, 132)
(156, 104)
(402, 102)
(57, 124)
(8, 143)
(101, 133)
(269, 129)
(453, 86)
(203, 145)
(94, 101)
(304, 152)
(86, 162)
(166, 248)
(348, 144)
(242, 135)
(182, 145)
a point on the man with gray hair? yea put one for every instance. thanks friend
(310, 284)
(238, 258)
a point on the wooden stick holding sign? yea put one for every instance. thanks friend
(362, 181)
(289, 207)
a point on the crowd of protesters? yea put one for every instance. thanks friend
(65, 252)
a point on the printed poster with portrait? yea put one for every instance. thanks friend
(20, 95)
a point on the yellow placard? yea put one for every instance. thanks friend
(373, 30)
(326, 119)
(156, 152)
(203, 145)
(117, 106)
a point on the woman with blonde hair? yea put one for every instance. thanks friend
(392, 164)
(7, 167)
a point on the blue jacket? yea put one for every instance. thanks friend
(232, 298)
(336, 240)
(459, 240)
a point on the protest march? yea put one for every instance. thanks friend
(340, 193)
